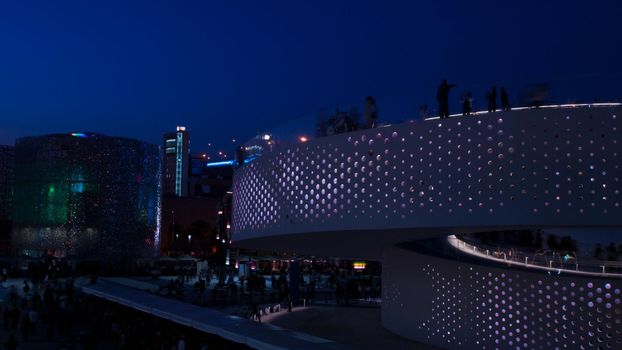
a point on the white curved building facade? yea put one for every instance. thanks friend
(360, 194)
(466, 305)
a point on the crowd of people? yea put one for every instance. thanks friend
(357, 289)
(125, 328)
(340, 121)
(466, 99)
(44, 308)
(54, 311)
(260, 289)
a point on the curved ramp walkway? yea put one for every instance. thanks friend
(256, 335)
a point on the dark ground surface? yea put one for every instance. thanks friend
(358, 327)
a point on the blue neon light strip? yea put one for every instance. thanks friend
(231, 162)
(223, 163)
(79, 134)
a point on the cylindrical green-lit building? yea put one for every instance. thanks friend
(86, 195)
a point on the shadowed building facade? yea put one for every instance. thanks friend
(86, 195)
(6, 196)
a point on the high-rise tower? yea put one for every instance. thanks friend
(175, 160)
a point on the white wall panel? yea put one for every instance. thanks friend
(547, 167)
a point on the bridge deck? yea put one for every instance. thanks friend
(233, 328)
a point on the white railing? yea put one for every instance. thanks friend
(549, 261)
(568, 105)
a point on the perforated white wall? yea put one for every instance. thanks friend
(551, 167)
(457, 305)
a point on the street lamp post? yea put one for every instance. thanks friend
(189, 244)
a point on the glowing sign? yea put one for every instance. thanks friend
(359, 265)
(79, 134)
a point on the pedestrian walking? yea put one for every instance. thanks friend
(491, 96)
(505, 100)
(255, 311)
(442, 95)
(371, 112)
(467, 103)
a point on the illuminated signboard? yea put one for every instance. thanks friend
(359, 265)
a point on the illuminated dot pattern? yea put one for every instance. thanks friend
(553, 166)
(505, 310)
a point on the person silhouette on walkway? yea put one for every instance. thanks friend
(442, 95)
(371, 112)
(255, 311)
(491, 96)
(505, 100)
(467, 103)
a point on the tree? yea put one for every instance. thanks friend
(611, 252)
(567, 244)
(599, 252)
(526, 238)
(538, 242)
(552, 242)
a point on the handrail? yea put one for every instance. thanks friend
(389, 123)
(553, 262)
(568, 105)
(593, 262)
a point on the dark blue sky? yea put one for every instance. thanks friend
(233, 68)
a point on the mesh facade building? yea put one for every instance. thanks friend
(6, 182)
(86, 195)
(6, 196)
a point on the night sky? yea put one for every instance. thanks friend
(234, 68)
